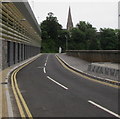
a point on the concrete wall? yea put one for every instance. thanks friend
(96, 55)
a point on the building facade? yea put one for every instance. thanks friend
(19, 33)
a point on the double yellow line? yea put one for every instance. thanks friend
(22, 106)
(86, 77)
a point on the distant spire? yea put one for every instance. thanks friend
(69, 21)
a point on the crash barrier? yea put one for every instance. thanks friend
(105, 69)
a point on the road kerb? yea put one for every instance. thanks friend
(104, 81)
(11, 69)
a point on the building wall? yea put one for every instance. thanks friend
(0, 55)
(4, 54)
(19, 38)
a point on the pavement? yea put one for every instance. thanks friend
(3, 105)
(82, 66)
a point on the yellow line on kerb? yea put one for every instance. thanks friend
(86, 77)
(18, 96)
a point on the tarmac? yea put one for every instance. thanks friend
(5, 101)
(76, 63)
(83, 66)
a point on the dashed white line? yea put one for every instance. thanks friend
(44, 70)
(40, 67)
(45, 64)
(47, 59)
(57, 83)
(103, 108)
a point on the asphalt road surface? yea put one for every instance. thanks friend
(50, 90)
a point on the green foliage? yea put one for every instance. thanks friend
(63, 37)
(118, 39)
(50, 28)
(108, 39)
(77, 39)
(86, 37)
(83, 37)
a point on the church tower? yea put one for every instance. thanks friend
(69, 21)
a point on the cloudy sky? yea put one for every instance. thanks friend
(100, 13)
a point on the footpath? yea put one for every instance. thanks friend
(104, 71)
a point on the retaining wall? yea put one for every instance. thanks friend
(96, 55)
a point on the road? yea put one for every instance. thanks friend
(50, 90)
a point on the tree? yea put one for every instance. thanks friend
(77, 40)
(108, 39)
(118, 38)
(84, 37)
(63, 37)
(50, 28)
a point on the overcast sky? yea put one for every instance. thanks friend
(100, 13)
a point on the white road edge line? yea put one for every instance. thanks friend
(44, 70)
(57, 83)
(103, 108)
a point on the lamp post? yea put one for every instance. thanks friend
(66, 44)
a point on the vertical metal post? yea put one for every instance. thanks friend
(66, 43)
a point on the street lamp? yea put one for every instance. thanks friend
(66, 44)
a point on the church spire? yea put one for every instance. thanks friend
(69, 21)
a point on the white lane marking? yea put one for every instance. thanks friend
(40, 67)
(44, 70)
(45, 64)
(57, 83)
(103, 108)
(46, 61)
(47, 58)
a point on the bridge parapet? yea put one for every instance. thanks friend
(96, 55)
